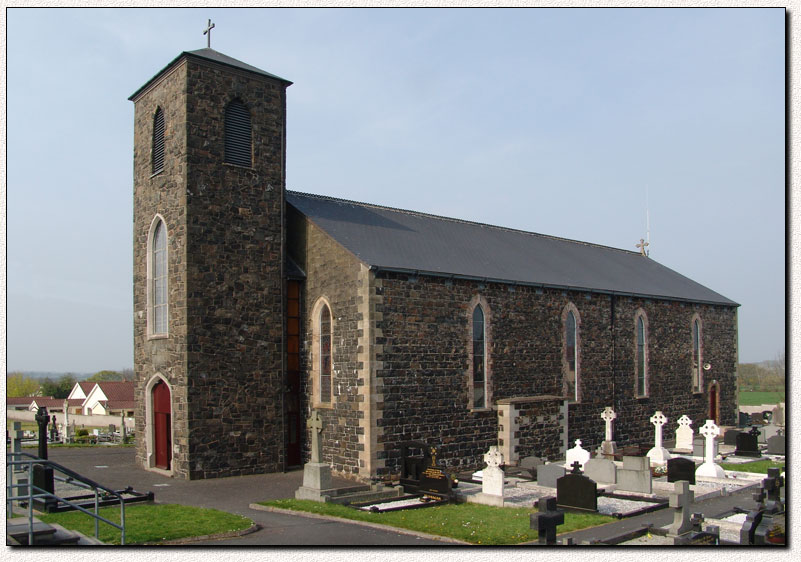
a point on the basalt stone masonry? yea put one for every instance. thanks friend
(251, 268)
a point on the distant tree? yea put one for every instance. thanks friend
(58, 388)
(17, 384)
(102, 376)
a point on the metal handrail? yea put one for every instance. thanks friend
(77, 479)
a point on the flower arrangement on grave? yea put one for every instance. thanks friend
(659, 470)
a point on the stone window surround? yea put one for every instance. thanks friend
(150, 459)
(475, 301)
(149, 275)
(571, 307)
(315, 359)
(697, 370)
(640, 313)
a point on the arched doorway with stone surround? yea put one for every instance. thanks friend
(159, 431)
(714, 402)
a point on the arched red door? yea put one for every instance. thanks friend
(161, 425)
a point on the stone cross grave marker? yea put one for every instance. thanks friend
(315, 423)
(576, 454)
(43, 475)
(658, 454)
(684, 433)
(680, 500)
(710, 431)
(546, 520)
(608, 415)
(492, 478)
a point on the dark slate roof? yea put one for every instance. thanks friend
(398, 240)
(212, 55)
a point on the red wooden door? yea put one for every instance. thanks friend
(161, 425)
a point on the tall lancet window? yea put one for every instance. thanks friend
(479, 359)
(325, 354)
(641, 356)
(697, 373)
(159, 280)
(570, 384)
(158, 141)
(238, 147)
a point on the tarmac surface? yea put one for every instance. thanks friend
(115, 467)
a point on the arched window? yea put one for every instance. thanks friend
(641, 355)
(158, 141)
(570, 359)
(697, 365)
(325, 354)
(237, 134)
(158, 279)
(479, 359)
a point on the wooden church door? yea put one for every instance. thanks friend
(292, 390)
(161, 425)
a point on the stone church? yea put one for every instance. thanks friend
(254, 306)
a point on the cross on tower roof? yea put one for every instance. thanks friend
(207, 31)
(642, 246)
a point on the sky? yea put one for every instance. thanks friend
(577, 123)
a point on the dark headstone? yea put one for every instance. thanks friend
(771, 530)
(42, 419)
(415, 458)
(743, 419)
(435, 482)
(777, 444)
(747, 444)
(765, 524)
(546, 521)
(576, 491)
(730, 437)
(679, 468)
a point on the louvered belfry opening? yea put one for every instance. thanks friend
(158, 141)
(237, 134)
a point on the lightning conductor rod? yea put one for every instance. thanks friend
(647, 223)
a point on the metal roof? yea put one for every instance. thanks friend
(212, 55)
(407, 241)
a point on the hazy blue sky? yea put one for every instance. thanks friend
(549, 120)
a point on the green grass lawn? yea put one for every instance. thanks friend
(753, 398)
(756, 466)
(470, 522)
(151, 523)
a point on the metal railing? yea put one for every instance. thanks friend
(35, 492)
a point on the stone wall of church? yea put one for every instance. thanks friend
(425, 327)
(332, 275)
(161, 194)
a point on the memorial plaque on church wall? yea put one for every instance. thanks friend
(747, 445)
(576, 491)
(679, 468)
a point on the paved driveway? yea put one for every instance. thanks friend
(114, 467)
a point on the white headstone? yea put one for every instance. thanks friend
(576, 454)
(658, 454)
(710, 431)
(492, 476)
(684, 433)
(608, 415)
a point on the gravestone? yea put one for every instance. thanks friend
(777, 444)
(710, 431)
(491, 479)
(608, 447)
(684, 433)
(316, 474)
(602, 471)
(730, 437)
(635, 476)
(766, 524)
(778, 415)
(766, 432)
(699, 447)
(435, 481)
(546, 520)
(680, 468)
(658, 454)
(747, 445)
(548, 474)
(43, 477)
(681, 500)
(530, 465)
(743, 419)
(576, 454)
(710, 536)
(576, 491)
(413, 465)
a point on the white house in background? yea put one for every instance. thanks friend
(109, 398)
(52, 404)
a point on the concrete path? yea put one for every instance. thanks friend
(114, 467)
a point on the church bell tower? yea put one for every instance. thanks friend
(209, 236)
